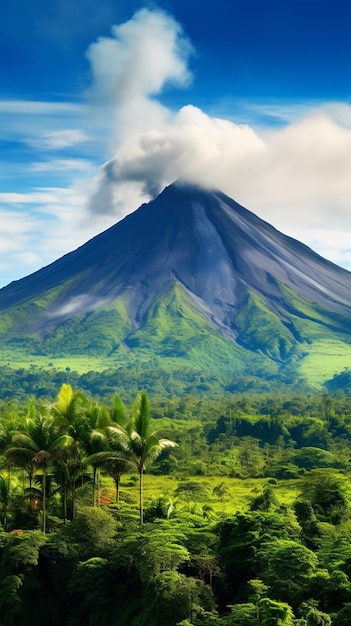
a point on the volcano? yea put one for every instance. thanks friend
(190, 278)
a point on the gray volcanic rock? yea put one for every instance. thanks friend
(216, 249)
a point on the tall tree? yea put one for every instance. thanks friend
(68, 411)
(36, 446)
(5, 498)
(92, 435)
(143, 443)
(136, 444)
(120, 464)
(117, 465)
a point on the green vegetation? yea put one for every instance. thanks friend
(297, 342)
(326, 359)
(247, 520)
(22, 383)
(262, 331)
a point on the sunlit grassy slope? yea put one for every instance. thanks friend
(324, 359)
(173, 335)
(297, 337)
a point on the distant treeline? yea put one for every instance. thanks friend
(22, 383)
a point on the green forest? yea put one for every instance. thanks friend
(21, 383)
(172, 511)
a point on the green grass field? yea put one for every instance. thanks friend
(80, 364)
(239, 492)
(325, 358)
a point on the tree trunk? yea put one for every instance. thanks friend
(74, 485)
(94, 485)
(141, 512)
(117, 479)
(44, 500)
(64, 497)
(98, 488)
(30, 486)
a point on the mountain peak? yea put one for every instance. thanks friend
(219, 253)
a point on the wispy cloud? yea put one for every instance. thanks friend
(44, 125)
(15, 235)
(34, 197)
(37, 107)
(60, 139)
(62, 165)
(55, 225)
(84, 302)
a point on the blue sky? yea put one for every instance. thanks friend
(103, 103)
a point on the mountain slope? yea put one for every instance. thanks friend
(191, 277)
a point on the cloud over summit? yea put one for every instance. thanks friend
(301, 170)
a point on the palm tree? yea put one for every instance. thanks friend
(161, 508)
(102, 442)
(67, 470)
(119, 465)
(68, 411)
(36, 445)
(10, 422)
(92, 435)
(5, 497)
(142, 443)
(136, 445)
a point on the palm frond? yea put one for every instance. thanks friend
(141, 419)
(100, 458)
(119, 412)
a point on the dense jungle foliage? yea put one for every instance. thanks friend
(249, 520)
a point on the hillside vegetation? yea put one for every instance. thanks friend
(176, 338)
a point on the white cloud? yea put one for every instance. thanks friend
(298, 177)
(61, 165)
(26, 258)
(40, 108)
(45, 127)
(14, 224)
(59, 139)
(28, 120)
(34, 197)
(141, 58)
(55, 225)
(15, 236)
(84, 302)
